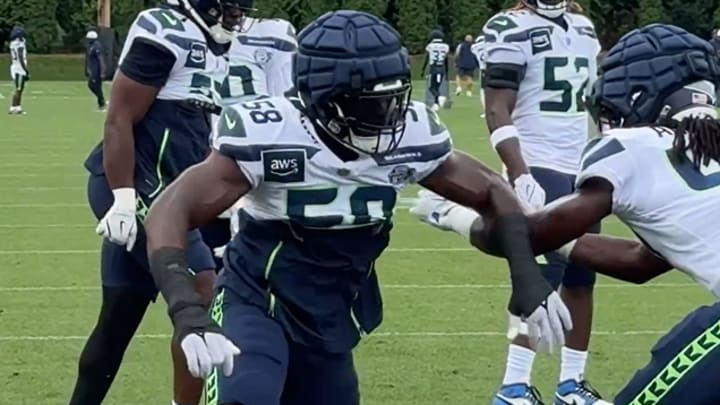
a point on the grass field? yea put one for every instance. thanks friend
(443, 336)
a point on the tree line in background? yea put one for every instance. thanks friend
(60, 25)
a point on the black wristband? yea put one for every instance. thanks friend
(185, 307)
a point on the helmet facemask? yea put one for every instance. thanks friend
(223, 23)
(548, 8)
(371, 121)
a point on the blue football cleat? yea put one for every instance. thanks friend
(571, 392)
(517, 394)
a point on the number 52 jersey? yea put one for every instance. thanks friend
(560, 68)
(670, 204)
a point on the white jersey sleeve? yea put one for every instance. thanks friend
(501, 40)
(607, 158)
(426, 142)
(197, 71)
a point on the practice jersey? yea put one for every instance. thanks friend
(18, 57)
(670, 204)
(437, 51)
(478, 49)
(260, 61)
(560, 68)
(197, 71)
(295, 177)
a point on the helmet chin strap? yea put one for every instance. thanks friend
(218, 33)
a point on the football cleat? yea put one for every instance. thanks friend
(517, 394)
(571, 392)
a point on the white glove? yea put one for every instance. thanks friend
(219, 252)
(207, 351)
(443, 214)
(119, 225)
(546, 327)
(530, 192)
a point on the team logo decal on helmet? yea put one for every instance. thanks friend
(353, 76)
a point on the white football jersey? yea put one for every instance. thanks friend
(18, 53)
(560, 68)
(260, 61)
(197, 71)
(296, 177)
(437, 52)
(671, 205)
(478, 49)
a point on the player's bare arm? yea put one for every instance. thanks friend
(498, 112)
(619, 258)
(129, 102)
(196, 198)
(560, 222)
(468, 182)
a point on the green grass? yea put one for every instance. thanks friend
(442, 340)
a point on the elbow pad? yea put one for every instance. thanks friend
(504, 76)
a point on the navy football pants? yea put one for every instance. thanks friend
(684, 367)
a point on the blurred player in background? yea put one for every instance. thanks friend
(321, 171)
(478, 50)
(95, 67)
(18, 68)
(657, 168)
(260, 67)
(157, 126)
(466, 64)
(540, 60)
(438, 84)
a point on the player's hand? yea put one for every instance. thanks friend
(529, 191)
(205, 351)
(433, 209)
(119, 225)
(219, 252)
(202, 342)
(545, 318)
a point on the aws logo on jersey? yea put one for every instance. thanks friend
(284, 166)
(197, 55)
(540, 41)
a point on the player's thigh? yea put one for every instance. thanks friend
(320, 378)
(216, 234)
(260, 371)
(684, 367)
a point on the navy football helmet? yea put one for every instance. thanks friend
(18, 32)
(353, 76)
(437, 34)
(221, 19)
(654, 73)
(548, 8)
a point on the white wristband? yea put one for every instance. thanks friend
(125, 197)
(503, 134)
(460, 219)
(567, 249)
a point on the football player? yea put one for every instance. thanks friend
(478, 49)
(321, 171)
(18, 68)
(657, 168)
(539, 61)
(260, 66)
(157, 126)
(436, 58)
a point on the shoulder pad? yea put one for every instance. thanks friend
(271, 33)
(514, 26)
(426, 137)
(583, 25)
(155, 20)
(245, 130)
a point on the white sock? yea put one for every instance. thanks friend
(572, 364)
(519, 365)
